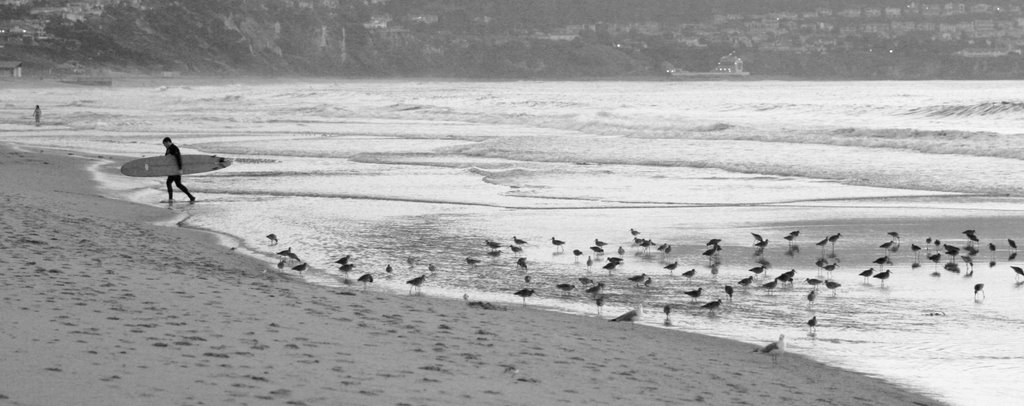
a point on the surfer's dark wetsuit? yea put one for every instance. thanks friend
(175, 179)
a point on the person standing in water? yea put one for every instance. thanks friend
(38, 114)
(175, 179)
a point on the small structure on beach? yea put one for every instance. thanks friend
(10, 69)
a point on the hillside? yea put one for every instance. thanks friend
(455, 38)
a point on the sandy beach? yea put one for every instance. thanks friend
(100, 306)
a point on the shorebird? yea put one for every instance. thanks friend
(712, 306)
(833, 285)
(590, 262)
(416, 282)
(979, 288)
(272, 238)
(757, 239)
(432, 268)
(811, 296)
(668, 310)
(472, 261)
(1018, 272)
(516, 250)
(770, 286)
(895, 236)
(774, 349)
(300, 267)
(492, 244)
(832, 240)
(634, 232)
(521, 263)
(347, 268)
(792, 236)
(728, 291)
(631, 315)
(517, 241)
(598, 251)
(281, 264)
(343, 260)
(814, 282)
(757, 270)
(388, 269)
(610, 266)
(565, 287)
(524, 293)
(599, 301)
(1013, 244)
(689, 274)
(694, 294)
(813, 324)
(637, 279)
(671, 267)
(596, 289)
(585, 280)
(883, 276)
(746, 281)
(365, 279)
(577, 253)
(621, 251)
(599, 243)
(558, 243)
(288, 253)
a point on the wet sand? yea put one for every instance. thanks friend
(100, 306)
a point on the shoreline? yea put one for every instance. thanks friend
(104, 307)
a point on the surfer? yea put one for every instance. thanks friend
(175, 179)
(38, 114)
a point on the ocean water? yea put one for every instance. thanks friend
(419, 173)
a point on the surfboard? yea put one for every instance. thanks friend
(165, 165)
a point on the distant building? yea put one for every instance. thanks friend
(10, 69)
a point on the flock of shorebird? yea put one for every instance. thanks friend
(934, 250)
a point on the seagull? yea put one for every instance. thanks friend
(272, 238)
(774, 349)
